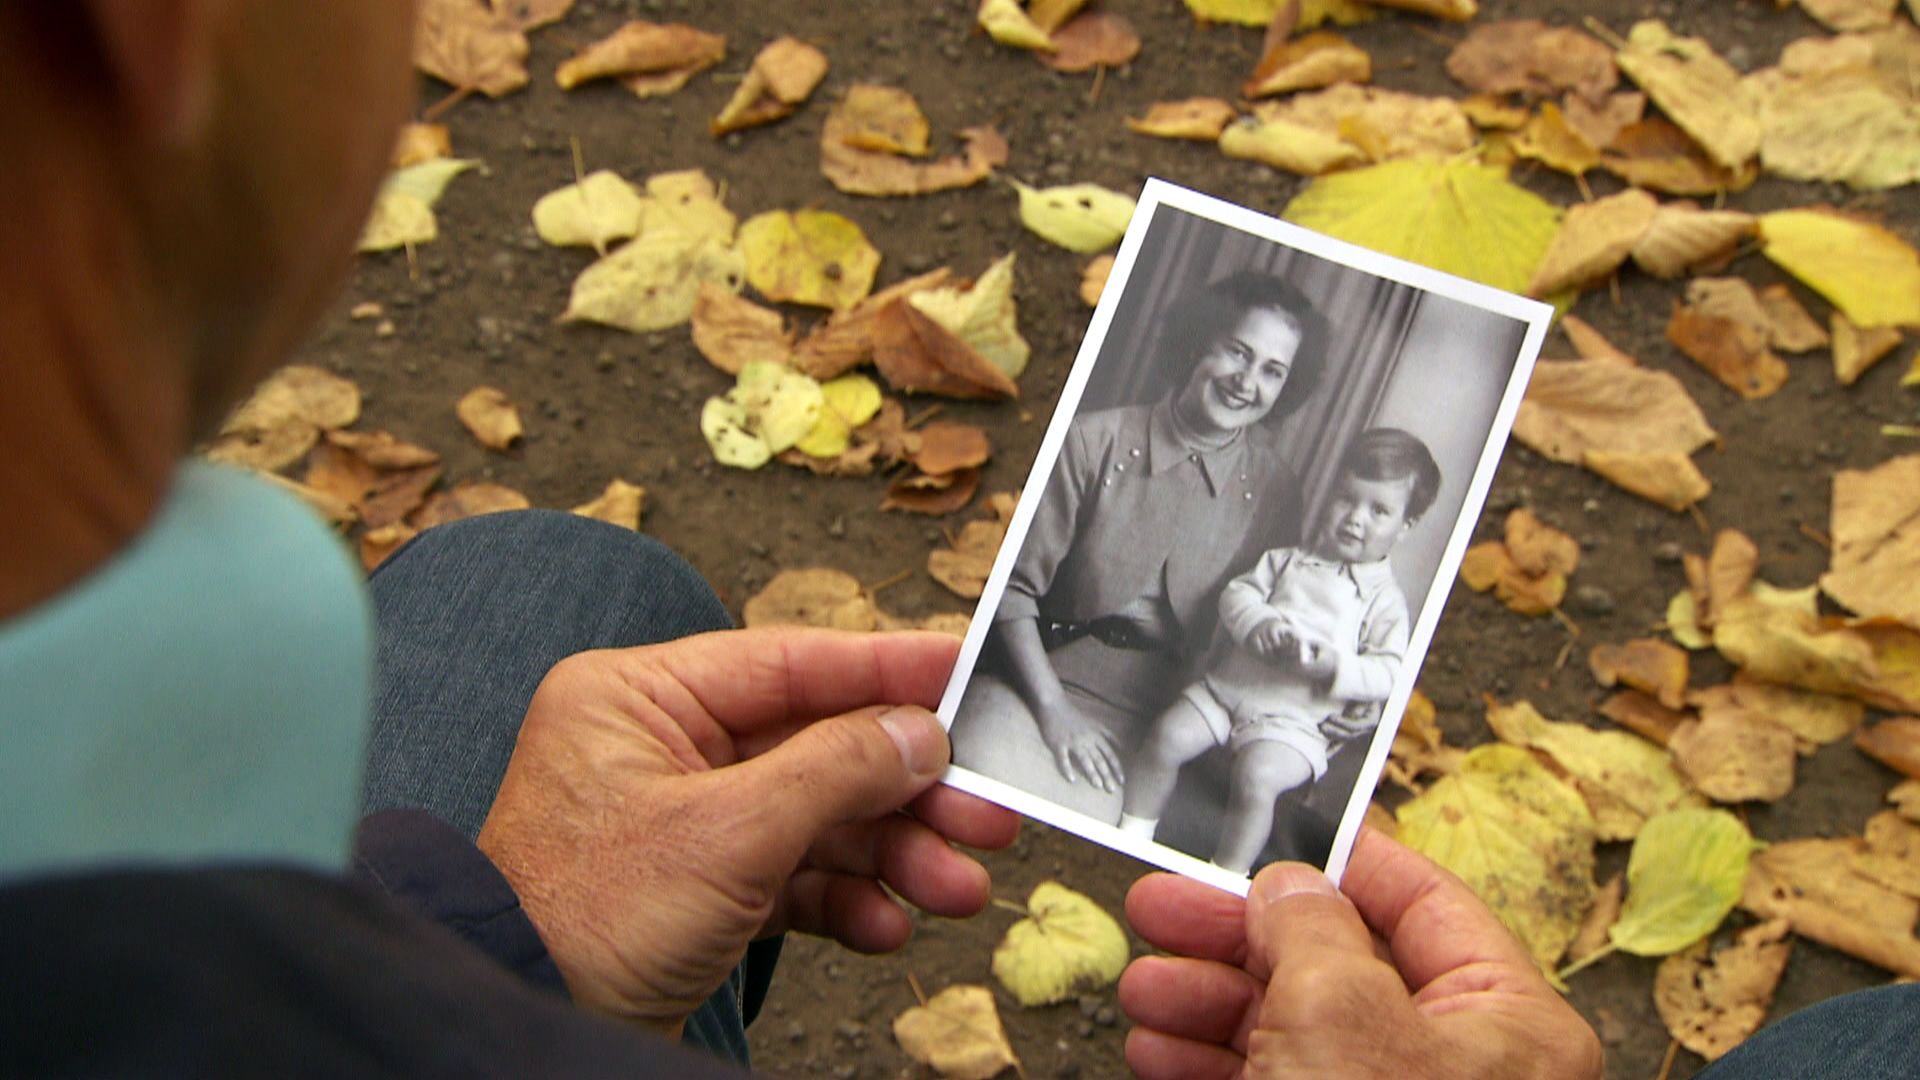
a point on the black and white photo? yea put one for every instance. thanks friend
(1238, 534)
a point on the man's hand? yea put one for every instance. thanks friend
(1407, 974)
(667, 805)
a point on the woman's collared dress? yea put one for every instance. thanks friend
(1135, 523)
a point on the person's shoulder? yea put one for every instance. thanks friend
(1105, 425)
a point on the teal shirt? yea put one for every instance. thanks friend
(202, 696)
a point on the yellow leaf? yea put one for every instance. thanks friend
(1735, 756)
(1005, 22)
(1051, 15)
(829, 437)
(781, 404)
(686, 202)
(490, 417)
(1200, 118)
(981, 315)
(641, 48)
(1653, 153)
(845, 403)
(1683, 622)
(1284, 144)
(1870, 274)
(1669, 479)
(1093, 279)
(1695, 88)
(1521, 838)
(815, 596)
(1625, 778)
(808, 257)
(883, 118)
(653, 281)
(1711, 1004)
(601, 208)
(284, 417)
(1454, 215)
(1066, 945)
(1892, 855)
(1309, 62)
(1851, 14)
(619, 504)
(1078, 217)
(1831, 111)
(1244, 12)
(1338, 12)
(958, 1033)
(1593, 240)
(1855, 350)
(1874, 568)
(1815, 719)
(419, 143)
(724, 424)
(402, 212)
(1384, 124)
(1549, 139)
(1683, 877)
(783, 74)
(1451, 10)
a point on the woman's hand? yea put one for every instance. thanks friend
(667, 805)
(1406, 974)
(1081, 748)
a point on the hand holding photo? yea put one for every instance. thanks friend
(1236, 540)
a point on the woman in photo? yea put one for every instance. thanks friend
(1148, 512)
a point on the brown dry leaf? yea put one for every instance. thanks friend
(1647, 664)
(1727, 574)
(855, 460)
(1723, 328)
(1550, 140)
(1538, 548)
(1734, 756)
(1198, 118)
(1639, 713)
(1811, 884)
(949, 447)
(1671, 480)
(1051, 15)
(619, 504)
(1310, 62)
(783, 74)
(1602, 122)
(674, 51)
(1778, 636)
(1526, 56)
(338, 512)
(916, 354)
(1093, 280)
(858, 171)
(1093, 39)
(382, 450)
(463, 501)
(1491, 113)
(1905, 798)
(885, 119)
(1711, 1004)
(1892, 856)
(1842, 109)
(932, 495)
(377, 544)
(1383, 124)
(1682, 238)
(1695, 88)
(1894, 743)
(732, 331)
(1845, 15)
(284, 418)
(469, 46)
(420, 143)
(963, 568)
(1594, 239)
(816, 596)
(1874, 567)
(1450, 10)
(1589, 344)
(1577, 406)
(846, 339)
(958, 1033)
(1655, 154)
(1491, 566)
(382, 478)
(1420, 747)
(1791, 329)
(490, 417)
(1815, 719)
(1855, 350)
(1600, 918)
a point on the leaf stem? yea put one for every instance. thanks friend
(1008, 905)
(1586, 961)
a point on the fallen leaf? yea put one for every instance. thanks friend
(284, 417)
(1538, 548)
(402, 213)
(732, 331)
(1671, 480)
(1244, 12)
(1815, 719)
(1682, 238)
(1735, 755)
(846, 403)
(652, 282)
(1450, 10)
(982, 315)
(1385, 125)
(1728, 573)
(382, 478)
(1093, 280)
(620, 503)
(1492, 113)
(1851, 14)
(958, 1033)
(601, 208)
(1855, 350)
(1198, 118)
(1337, 12)
(1593, 240)
(1528, 570)
(1832, 111)
(1284, 144)
(1005, 22)
(469, 46)
(1453, 215)
(1683, 621)
(643, 48)
(377, 544)
(865, 172)
(1641, 713)
(1790, 328)
(914, 353)
(808, 257)
(1695, 88)
(1093, 39)
(467, 500)
(1892, 855)
(1602, 122)
(418, 144)
(381, 450)
(1905, 798)
(847, 338)
(1711, 1003)
(1655, 154)
(1521, 838)
(1870, 274)
(1811, 884)
(947, 447)
(932, 495)
(1079, 217)
(769, 409)
(1874, 565)
(490, 417)
(1066, 945)
(884, 119)
(1625, 778)
(1310, 62)
(1574, 407)
(1526, 56)
(964, 567)
(783, 75)
(1683, 877)
(338, 512)
(1605, 911)
(1777, 636)
(1420, 747)
(816, 596)
(1723, 328)
(1647, 664)
(1051, 15)
(1894, 743)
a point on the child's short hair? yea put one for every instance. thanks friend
(1393, 454)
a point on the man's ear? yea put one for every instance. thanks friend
(160, 56)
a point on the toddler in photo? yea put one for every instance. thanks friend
(1310, 642)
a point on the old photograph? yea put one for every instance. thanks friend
(1229, 557)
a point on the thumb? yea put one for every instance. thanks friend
(1296, 917)
(852, 767)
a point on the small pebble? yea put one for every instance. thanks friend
(849, 1029)
(1106, 1017)
(796, 1032)
(948, 220)
(759, 550)
(1086, 1029)
(1089, 1005)
(1668, 552)
(837, 528)
(1592, 600)
(604, 361)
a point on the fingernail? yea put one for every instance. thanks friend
(918, 735)
(1281, 880)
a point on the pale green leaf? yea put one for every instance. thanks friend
(1684, 875)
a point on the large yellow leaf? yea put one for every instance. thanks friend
(1520, 837)
(1683, 877)
(1695, 88)
(1869, 273)
(982, 315)
(808, 257)
(1625, 778)
(600, 208)
(958, 1033)
(1067, 944)
(1078, 217)
(1454, 215)
(653, 281)
(1875, 563)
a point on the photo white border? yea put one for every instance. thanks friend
(1157, 194)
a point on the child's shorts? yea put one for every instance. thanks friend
(1235, 725)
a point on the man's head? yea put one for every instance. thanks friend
(1388, 480)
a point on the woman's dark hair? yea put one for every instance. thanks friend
(1200, 319)
(1393, 454)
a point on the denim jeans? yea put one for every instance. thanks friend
(471, 617)
(1866, 1035)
